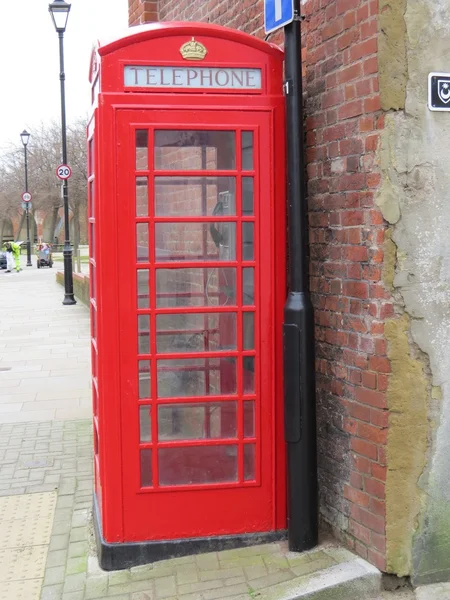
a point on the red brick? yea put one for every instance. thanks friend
(356, 289)
(343, 6)
(376, 559)
(365, 48)
(375, 488)
(378, 541)
(383, 382)
(372, 104)
(372, 142)
(360, 549)
(356, 481)
(363, 465)
(349, 73)
(370, 397)
(380, 364)
(351, 109)
(356, 496)
(372, 433)
(379, 472)
(380, 418)
(366, 124)
(373, 522)
(369, 380)
(364, 448)
(377, 507)
(359, 531)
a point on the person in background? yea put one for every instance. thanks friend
(12, 257)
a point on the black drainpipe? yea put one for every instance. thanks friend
(298, 327)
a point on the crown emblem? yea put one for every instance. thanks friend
(193, 50)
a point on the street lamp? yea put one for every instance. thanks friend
(59, 10)
(25, 136)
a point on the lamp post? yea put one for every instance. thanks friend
(25, 136)
(59, 10)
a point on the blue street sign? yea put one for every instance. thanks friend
(277, 13)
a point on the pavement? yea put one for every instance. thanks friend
(47, 550)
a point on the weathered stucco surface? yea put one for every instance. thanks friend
(415, 198)
(392, 53)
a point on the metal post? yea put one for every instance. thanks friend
(27, 209)
(67, 252)
(298, 328)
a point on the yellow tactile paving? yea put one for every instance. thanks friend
(25, 528)
(28, 505)
(27, 589)
(18, 564)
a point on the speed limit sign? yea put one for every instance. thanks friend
(63, 172)
(26, 197)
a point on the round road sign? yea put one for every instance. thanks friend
(63, 172)
(26, 197)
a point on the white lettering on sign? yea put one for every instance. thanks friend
(192, 77)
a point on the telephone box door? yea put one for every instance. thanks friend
(196, 277)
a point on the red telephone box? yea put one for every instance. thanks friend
(187, 237)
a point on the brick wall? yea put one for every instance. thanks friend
(343, 122)
(347, 233)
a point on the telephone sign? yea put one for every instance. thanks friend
(63, 172)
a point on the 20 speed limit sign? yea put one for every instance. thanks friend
(63, 172)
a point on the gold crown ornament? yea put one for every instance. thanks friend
(193, 50)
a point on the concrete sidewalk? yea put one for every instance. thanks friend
(46, 543)
(44, 350)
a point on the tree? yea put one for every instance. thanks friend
(44, 155)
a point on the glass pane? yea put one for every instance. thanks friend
(91, 156)
(141, 196)
(197, 464)
(195, 287)
(247, 150)
(144, 379)
(92, 280)
(142, 242)
(93, 322)
(196, 332)
(141, 150)
(92, 240)
(143, 334)
(248, 325)
(248, 286)
(185, 377)
(195, 196)
(249, 462)
(247, 196)
(143, 297)
(248, 252)
(146, 468)
(92, 198)
(195, 150)
(145, 424)
(195, 241)
(248, 364)
(200, 421)
(249, 419)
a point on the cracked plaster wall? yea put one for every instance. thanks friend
(415, 199)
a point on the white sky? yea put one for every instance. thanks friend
(29, 59)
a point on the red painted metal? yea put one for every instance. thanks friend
(229, 479)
